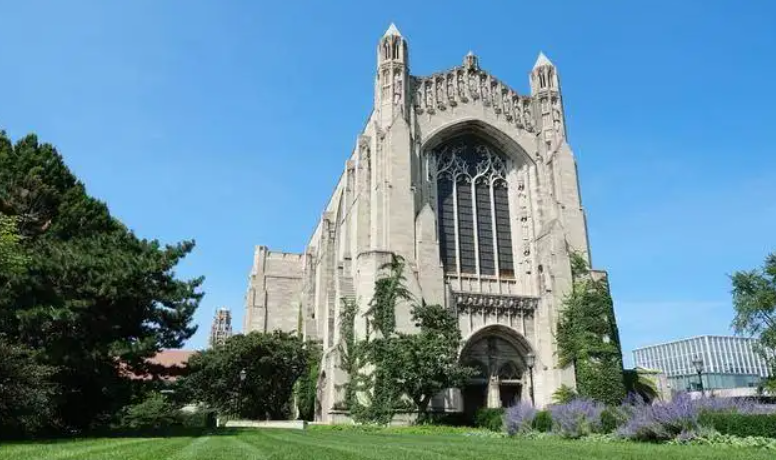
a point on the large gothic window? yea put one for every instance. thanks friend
(473, 209)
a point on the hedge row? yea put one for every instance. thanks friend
(740, 424)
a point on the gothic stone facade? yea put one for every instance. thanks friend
(475, 186)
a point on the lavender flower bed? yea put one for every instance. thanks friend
(519, 418)
(634, 419)
(578, 418)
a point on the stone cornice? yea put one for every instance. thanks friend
(462, 85)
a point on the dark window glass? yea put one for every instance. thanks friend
(447, 224)
(476, 158)
(466, 228)
(503, 230)
(485, 229)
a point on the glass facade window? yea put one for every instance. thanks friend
(728, 362)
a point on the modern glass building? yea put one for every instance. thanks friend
(726, 362)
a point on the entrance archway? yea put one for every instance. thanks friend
(498, 354)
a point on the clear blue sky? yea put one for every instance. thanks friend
(229, 122)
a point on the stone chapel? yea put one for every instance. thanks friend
(476, 187)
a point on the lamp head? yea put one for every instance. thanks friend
(530, 359)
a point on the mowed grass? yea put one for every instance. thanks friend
(328, 444)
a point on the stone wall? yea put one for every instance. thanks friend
(274, 291)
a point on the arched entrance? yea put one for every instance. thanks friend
(498, 353)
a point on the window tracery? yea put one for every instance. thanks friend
(473, 208)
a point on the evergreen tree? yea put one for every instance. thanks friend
(94, 294)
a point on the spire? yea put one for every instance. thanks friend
(471, 62)
(392, 30)
(392, 82)
(542, 61)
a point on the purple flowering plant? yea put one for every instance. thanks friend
(663, 421)
(577, 418)
(519, 418)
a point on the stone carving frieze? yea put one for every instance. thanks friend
(463, 85)
(467, 301)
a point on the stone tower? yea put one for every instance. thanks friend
(475, 186)
(392, 77)
(221, 328)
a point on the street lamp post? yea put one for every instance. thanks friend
(530, 361)
(243, 376)
(697, 362)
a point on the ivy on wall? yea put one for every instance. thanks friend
(369, 394)
(588, 337)
(391, 371)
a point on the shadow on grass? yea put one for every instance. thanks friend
(175, 432)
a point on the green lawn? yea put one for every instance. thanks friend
(329, 444)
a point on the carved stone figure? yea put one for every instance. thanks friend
(505, 102)
(485, 89)
(461, 86)
(474, 83)
(528, 118)
(440, 92)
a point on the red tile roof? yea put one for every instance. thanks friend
(173, 363)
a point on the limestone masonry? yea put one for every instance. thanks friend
(476, 187)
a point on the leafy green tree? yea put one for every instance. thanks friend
(416, 366)
(754, 300)
(427, 362)
(26, 391)
(94, 294)
(272, 363)
(588, 337)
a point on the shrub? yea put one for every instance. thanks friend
(613, 418)
(199, 419)
(683, 417)
(577, 418)
(564, 395)
(492, 419)
(519, 418)
(26, 390)
(736, 405)
(740, 424)
(542, 422)
(447, 419)
(154, 413)
(712, 438)
(660, 421)
(306, 387)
